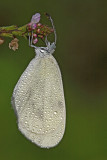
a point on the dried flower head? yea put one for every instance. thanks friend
(14, 44)
(1, 41)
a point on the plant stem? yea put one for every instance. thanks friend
(14, 31)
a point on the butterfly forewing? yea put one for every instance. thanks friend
(38, 100)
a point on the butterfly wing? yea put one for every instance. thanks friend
(38, 100)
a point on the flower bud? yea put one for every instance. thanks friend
(39, 24)
(34, 35)
(40, 36)
(35, 18)
(34, 26)
(38, 30)
(29, 25)
(35, 41)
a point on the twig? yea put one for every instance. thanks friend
(39, 31)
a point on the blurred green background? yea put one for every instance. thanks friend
(82, 56)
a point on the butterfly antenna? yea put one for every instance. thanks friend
(52, 26)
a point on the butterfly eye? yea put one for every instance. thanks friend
(42, 51)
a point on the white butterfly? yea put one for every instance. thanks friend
(38, 98)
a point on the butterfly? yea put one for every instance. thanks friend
(38, 98)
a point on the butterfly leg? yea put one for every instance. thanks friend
(46, 41)
(31, 40)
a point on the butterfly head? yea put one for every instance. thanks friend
(42, 51)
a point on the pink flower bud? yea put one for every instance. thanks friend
(38, 30)
(35, 41)
(29, 24)
(39, 24)
(34, 25)
(35, 35)
(42, 36)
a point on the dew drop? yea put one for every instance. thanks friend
(55, 112)
(36, 126)
(41, 115)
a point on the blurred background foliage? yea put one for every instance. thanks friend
(82, 56)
